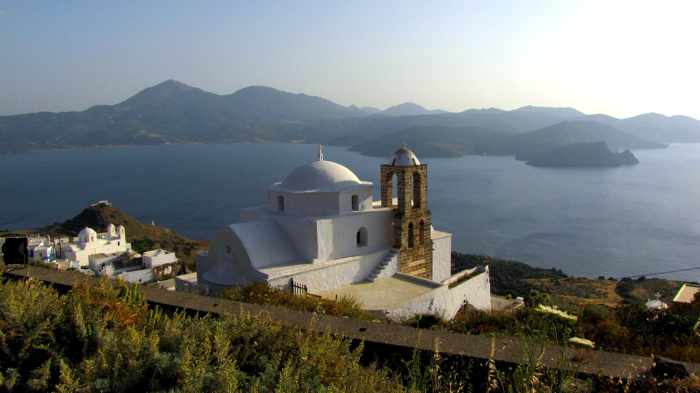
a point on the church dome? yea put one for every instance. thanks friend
(319, 176)
(87, 235)
(404, 157)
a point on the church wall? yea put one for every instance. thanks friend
(340, 240)
(224, 267)
(364, 195)
(442, 258)
(305, 204)
(303, 235)
(336, 274)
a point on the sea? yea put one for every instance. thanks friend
(612, 222)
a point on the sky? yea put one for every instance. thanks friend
(617, 57)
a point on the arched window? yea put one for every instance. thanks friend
(416, 190)
(410, 235)
(280, 203)
(355, 203)
(421, 232)
(361, 237)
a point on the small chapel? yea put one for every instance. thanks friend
(320, 229)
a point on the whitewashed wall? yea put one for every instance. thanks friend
(140, 276)
(364, 194)
(446, 302)
(442, 258)
(337, 235)
(331, 275)
(302, 233)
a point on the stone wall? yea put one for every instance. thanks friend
(412, 219)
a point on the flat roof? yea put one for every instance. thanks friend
(686, 294)
(382, 294)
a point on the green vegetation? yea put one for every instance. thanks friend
(638, 291)
(507, 277)
(104, 338)
(262, 293)
(630, 328)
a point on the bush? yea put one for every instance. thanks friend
(104, 338)
(473, 321)
(262, 293)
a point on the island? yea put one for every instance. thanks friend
(593, 154)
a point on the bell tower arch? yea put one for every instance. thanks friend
(412, 219)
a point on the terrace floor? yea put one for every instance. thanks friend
(384, 293)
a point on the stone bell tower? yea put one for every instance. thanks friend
(412, 219)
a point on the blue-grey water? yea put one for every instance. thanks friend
(612, 222)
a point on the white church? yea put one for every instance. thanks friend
(91, 243)
(321, 229)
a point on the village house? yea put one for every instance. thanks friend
(105, 254)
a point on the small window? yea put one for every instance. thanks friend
(355, 203)
(280, 203)
(410, 235)
(361, 237)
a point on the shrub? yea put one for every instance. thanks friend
(104, 338)
(262, 293)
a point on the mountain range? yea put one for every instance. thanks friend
(173, 112)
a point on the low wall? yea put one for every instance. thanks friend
(446, 302)
(326, 276)
(390, 337)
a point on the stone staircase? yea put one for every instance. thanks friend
(384, 268)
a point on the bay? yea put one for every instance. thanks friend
(603, 221)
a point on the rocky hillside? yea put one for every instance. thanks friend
(591, 154)
(142, 236)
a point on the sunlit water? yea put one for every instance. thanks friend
(612, 222)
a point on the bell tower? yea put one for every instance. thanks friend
(412, 219)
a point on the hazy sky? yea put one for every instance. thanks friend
(616, 57)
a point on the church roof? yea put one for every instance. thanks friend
(86, 233)
(404, 157)
(318, 176)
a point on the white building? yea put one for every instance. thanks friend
(90, 243)
(320, 228)
(159, 257)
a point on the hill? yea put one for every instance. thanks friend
(409, 109)
(174, 112)
(441, 141)
(656, 127)
(587, 154)
(438, 141)
(529, 146)
(359, 130)
(142, 237)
